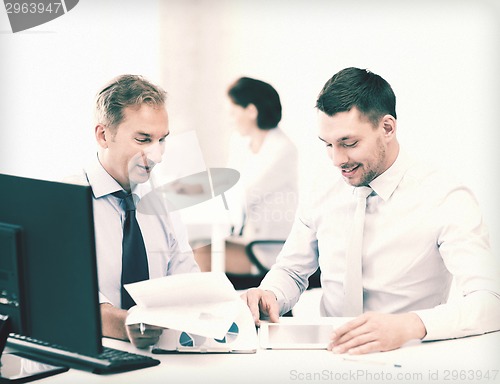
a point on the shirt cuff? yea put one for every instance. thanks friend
(103, 299)
(280, 297)
(474, 314)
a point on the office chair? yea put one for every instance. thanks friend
(262, 254)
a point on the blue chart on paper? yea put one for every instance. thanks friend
(188, 340)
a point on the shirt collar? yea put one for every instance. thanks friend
(385, 184)
(103, 183)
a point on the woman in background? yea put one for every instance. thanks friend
(263, 202)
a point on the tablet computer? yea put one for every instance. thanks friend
(294, 336)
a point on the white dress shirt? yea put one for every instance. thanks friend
(265, 199)
(421, 231)
(164, 235)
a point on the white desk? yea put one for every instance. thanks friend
(467, 360)
(209, 223)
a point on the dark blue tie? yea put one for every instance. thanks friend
(134, 257)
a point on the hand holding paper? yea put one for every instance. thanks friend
(204, 303)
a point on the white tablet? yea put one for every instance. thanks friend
(295, 336)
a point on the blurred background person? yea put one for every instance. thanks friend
(263, 203)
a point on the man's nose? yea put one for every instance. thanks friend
(339, 157)
(155, 152)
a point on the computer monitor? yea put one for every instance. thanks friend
(48, 272)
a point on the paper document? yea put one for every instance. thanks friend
(204, 303)
(241, 337)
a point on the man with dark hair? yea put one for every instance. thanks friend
(131, 244)
(389, 236)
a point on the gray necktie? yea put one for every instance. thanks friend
(353, 281)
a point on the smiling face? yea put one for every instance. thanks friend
(129, 151)
(359, 149)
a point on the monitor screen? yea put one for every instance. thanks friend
(48, 273)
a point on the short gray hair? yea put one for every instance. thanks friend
(122, 92)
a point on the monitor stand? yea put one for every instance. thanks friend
(17, 369)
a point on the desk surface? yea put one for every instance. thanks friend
(468, 360)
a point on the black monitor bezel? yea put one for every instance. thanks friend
(59, 274)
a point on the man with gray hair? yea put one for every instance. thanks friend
(131, 244)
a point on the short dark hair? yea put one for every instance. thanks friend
(122, 92)
(360, 88)
(246, 91)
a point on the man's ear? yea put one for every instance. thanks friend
(389, 125)
(102, 135)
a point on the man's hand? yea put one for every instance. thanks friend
(374, 332)
(260, 303)
(142, 336)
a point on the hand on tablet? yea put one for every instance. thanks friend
(374, 332)
(262, 303)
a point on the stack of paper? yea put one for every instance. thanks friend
(202, 313)
(204, 304)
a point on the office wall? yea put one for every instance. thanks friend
(441, 58)
(50, 74)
